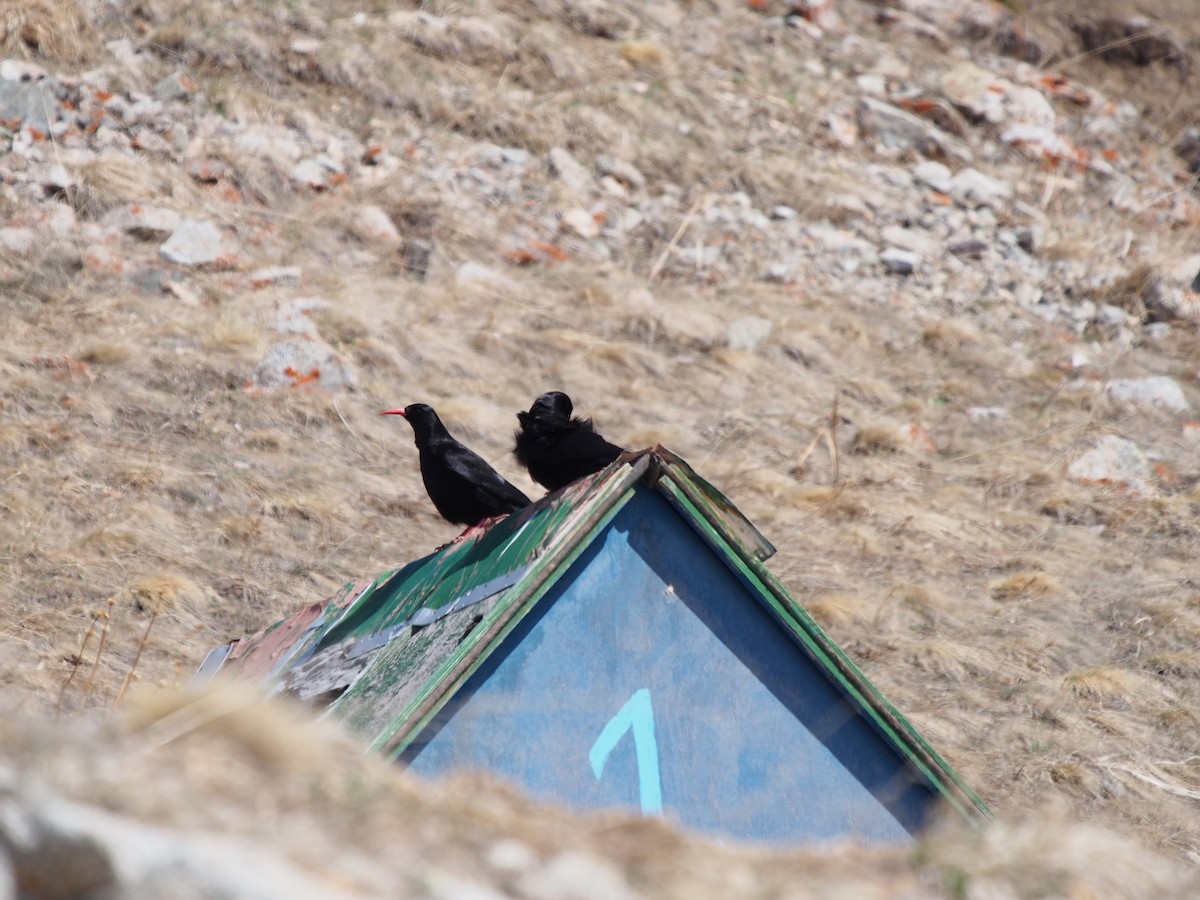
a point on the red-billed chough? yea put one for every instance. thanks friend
(462, 486)
(556, 448)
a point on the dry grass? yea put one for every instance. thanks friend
(998, 605)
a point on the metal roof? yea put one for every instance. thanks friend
(386, 655)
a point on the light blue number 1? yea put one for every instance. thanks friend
(637, 715)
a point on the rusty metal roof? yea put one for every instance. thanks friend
(386, 655)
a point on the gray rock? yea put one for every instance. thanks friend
(274, 275)
(1157, 390)
(898, 261)
(198, 243)
(901, 130)
(52, 858)
(747, 333)
(31, 103)
(968, 249)
(1114, 461)
(416, 257)
(301, 363)
(176, 86)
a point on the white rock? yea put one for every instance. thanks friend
(197, 243)
(913, 239)
(301, 363)
(373, 224)
(1114, 461)
(1157, 390)
(470, 273)
(933, 174)
(747, 333)
(582, 223)
(145, 222)
(971, 187)
(576, 875)
(835, 239)
(293, 318)
(979, 414)
(310, 173)
(623, 171)
(570, 172)
(18, 240)
(274, 275)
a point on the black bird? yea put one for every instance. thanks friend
(556, 448)
(462, 486)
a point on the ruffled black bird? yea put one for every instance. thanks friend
(556, 448)
(463, 487)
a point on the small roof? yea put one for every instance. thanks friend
(386, 655)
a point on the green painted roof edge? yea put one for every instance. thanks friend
(826, 652)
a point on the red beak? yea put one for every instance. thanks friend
(392, 412)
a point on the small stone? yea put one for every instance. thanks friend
(20, 241)
(176, 86)
(898, 262)
(510, 855)
(198, 243)
(1157, 390)
(300, 363)
(477, 273)
(898, 129)
(979, 414)
(933, 174)
(779, 272)
(1114, 461)
(574, 176)
(622, 171)
(782, 212)
(969, 249)
(148, 223)
(914, 239)
(971, 187)
(30, 103)
(747, 333)
(1191, 433)
(576, 875)
(416, 257)
(582, 223)
(206, 170)
(311, 174)
(372, 224)
(293, 317)
(261, 278)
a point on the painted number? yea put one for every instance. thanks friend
(637, 715)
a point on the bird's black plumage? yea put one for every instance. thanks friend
(556, 448)
(463, 487)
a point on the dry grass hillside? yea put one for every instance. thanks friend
(1042, 632)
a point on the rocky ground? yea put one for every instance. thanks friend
(963, 237)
